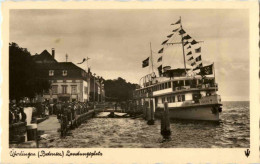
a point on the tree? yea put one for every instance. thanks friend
(118, 89)
(23, 78)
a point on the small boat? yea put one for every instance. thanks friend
(190, 89)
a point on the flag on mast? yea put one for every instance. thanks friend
(146, 62)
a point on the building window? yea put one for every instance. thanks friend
(51, 72)
(64, 89)
(64, 73)
(86, 90)
(54, 89)
(73, 89)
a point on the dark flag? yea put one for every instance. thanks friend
(189, 47)
(194, 42)
(160, 51)
(198, 50)
(198, 58)
(175, 30)
(82, 61)
(165, 42)
(198, 67)
(178, 22)
(159, 59)
(192, 64)
(190, 58)
(160, 70)
(186, 37)
(182, 32)
(146, 62)
(169, 36)
(185, 43)
(207, 70)
(189, 53)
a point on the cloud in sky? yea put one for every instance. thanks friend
(117, 41)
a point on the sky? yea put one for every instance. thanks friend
(117, 41)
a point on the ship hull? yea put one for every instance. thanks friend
(205, 112)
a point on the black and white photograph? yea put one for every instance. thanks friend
(129, 78)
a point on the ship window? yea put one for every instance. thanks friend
(179, 98)
(51, 72)
(163, 99)
(64, 73)
(169, 99)
(187, 82)
(169, 84)
(173, 98)
(183, 97)
(181, 83)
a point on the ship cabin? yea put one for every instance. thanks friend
(181, 91)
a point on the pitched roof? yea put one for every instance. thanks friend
(45, 55)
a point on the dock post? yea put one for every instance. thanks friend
(165, 122)
(150, 114)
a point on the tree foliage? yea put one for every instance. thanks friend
(118, 89)
(23, 77)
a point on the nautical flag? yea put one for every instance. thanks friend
(198, 50)
(198, 58)
(189, 47)
(190, 58)
(175, 30)
(165, 42)
(194, 42)
(160, 70)
(186, 37)
(192, 64)
(159, 59)
(146, 62)
(169, 36)
(189, 53)
(182, 32)
(178, 22)
(82, 61)
(198, 67)
(185, 43)
(207, 70)
(160, 51)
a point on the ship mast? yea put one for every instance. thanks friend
(151, 55)
(183, 48)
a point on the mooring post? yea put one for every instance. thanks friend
(165, 122)
(150, 114)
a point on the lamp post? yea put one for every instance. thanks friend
(94, 90)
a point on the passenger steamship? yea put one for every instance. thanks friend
(191, 91)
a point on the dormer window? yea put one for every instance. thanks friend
(51, 72)
(64, 73)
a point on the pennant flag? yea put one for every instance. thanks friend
(194, 42)
(146, 62)
(178, 22)
(198, 58)
(189, 53)
(186, 37)
(159, 59)
(182, 32)
(198, 50)
(82, 61)
(198, 67)
(175, 30)
(192, 64)
(160, 70)
(207, 70)
(185, 43)
(161, 51)
(189, 47)
(190, 58)
(169, 36)
(165, 42)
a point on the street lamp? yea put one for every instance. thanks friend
(94, 89)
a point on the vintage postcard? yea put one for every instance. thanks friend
(130, 82)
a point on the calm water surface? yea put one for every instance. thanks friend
(232, 131)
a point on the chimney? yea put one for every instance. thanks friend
(53, 53)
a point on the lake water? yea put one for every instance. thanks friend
(232, 131)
